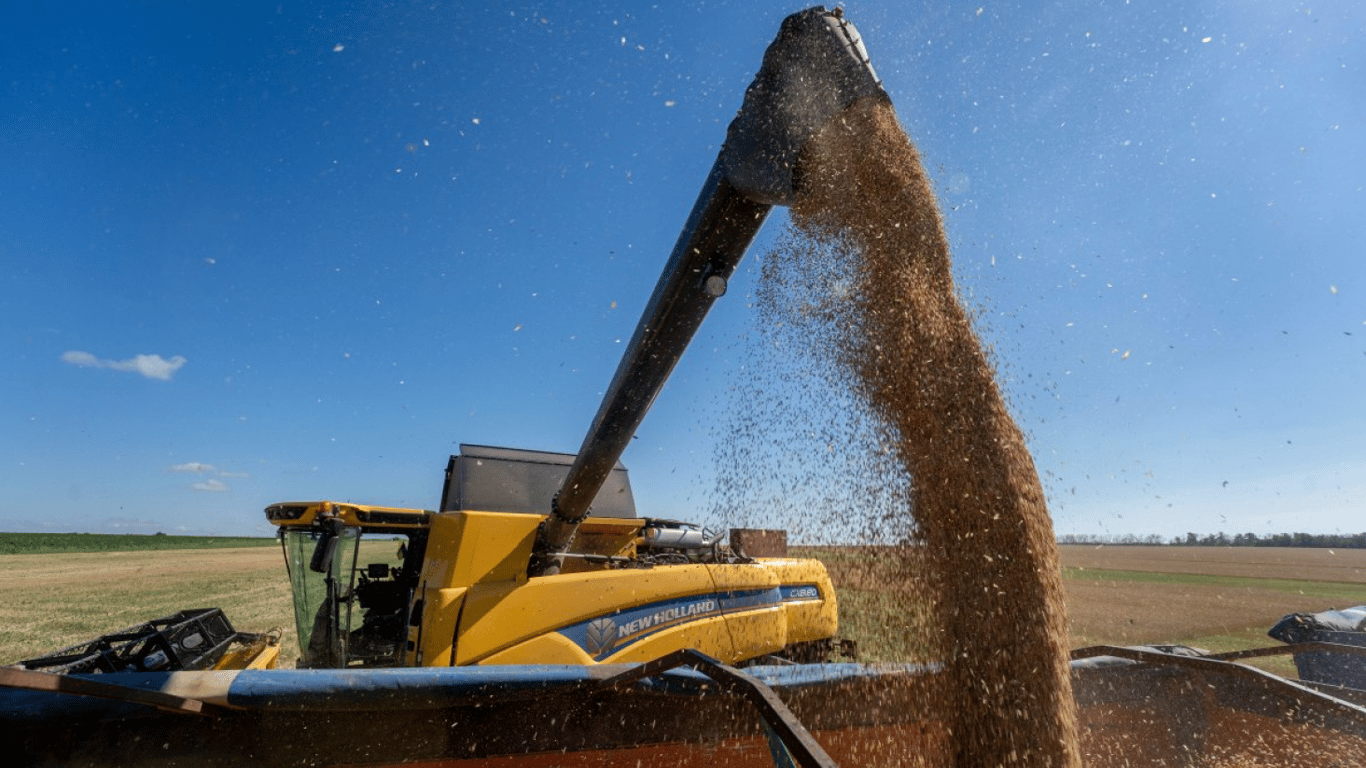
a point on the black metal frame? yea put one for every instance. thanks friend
(1223, 664)
(191, 639)
(782, 723)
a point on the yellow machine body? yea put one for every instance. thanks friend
(468, 598)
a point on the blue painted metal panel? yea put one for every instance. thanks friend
(604, 635)
(411, 688)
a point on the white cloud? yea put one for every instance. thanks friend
(211, 486)
(84, 359)
(150, 366)
(191, 466)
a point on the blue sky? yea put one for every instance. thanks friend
(269, 251)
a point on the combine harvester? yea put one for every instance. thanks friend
(535, 619)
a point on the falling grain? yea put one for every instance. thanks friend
(865, 281)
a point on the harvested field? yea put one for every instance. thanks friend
(51, 601)
(43, 572)
(1218, 598)
(1312, 564)
(1117, 611)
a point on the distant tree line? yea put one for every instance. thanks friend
(1221, 539)
(1151, 539)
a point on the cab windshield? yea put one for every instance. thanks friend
(350, 597)
(322, 589)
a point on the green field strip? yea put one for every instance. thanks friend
(60, 543)
(1354, 593)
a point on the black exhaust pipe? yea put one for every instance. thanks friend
(815, 68)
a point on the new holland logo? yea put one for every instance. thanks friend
(602, 635)
(657, 620)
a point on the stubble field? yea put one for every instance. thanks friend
(1217, 598)
(50, 601)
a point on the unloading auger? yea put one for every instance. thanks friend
(813, 70)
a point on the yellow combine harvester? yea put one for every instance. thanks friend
(383, 587)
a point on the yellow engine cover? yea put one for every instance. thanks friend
(480, 607)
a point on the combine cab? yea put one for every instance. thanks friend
(351, 578)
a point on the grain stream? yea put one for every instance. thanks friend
(865, 282)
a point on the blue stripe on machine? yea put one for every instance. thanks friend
(606, 634)
(749, 599)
